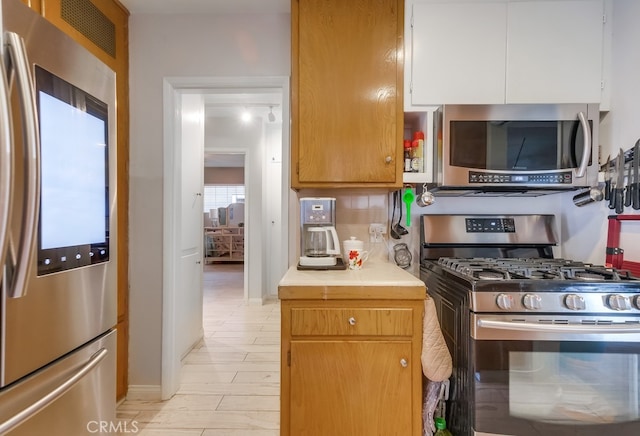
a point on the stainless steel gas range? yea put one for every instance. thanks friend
(540, 345)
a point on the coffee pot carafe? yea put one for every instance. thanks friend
(321, 242)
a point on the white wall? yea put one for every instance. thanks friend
(177, 46)
(620, 128)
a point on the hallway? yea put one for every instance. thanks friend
(230, 381)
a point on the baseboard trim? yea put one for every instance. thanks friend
(144, 393)
(256, 301)
(260, 301)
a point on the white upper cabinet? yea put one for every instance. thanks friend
(503, 51)
(457, 53)
(554, 51)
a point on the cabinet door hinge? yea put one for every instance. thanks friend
(604, 18)
(289, 358)
(602, 84)
(411, 17)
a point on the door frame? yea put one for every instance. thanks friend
(172, 87)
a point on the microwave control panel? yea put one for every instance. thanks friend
(563, 178)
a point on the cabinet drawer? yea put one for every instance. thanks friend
(344, 322)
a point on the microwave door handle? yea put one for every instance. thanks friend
(586, 150)
(25, 86)
(6, 162)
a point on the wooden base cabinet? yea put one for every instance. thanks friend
(351, 367)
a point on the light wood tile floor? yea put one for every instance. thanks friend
(230, 381)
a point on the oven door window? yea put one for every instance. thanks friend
(556, 388)
(516, 145)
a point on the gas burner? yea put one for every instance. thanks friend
(587, 276)
(482, 268)
(537, 273)
(490, 275)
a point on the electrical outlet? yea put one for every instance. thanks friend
(376, 230)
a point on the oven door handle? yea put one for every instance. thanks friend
(559, 328)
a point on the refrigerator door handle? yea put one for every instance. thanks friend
(54, 394)
(6, 161)
(17, 55)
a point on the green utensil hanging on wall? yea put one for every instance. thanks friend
(408, 197)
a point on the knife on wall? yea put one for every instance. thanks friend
(635, 186)
(612, 183)
(618, 191)
(607, 178)
(627, 188)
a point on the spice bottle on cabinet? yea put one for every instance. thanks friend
(407, 156)
(418, 146)
(414, 157)
(441, 427)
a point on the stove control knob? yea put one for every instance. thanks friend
(574, 302)
(618, 302)
(636, 301)
(532, 301)
(504, 301)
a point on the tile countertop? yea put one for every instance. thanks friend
(376, 280)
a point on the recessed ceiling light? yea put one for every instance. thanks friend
(246, 116)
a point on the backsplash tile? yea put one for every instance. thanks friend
(355, 210)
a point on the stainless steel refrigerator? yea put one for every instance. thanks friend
(57, 232)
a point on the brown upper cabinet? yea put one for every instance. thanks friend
(33, 4)
(346, 93)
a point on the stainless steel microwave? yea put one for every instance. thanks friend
(514, 148)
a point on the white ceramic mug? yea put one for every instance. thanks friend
(355, 258)
(354, 253)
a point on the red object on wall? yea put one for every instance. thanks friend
(615, 254)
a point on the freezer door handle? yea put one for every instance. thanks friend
(54, 394)
(6, 161)
(19, 63)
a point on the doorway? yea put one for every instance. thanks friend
(224, 220)
(267, 221)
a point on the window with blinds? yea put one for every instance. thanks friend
(216, 196)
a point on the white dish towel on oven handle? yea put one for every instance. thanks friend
(436, 359)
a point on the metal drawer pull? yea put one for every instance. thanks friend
(352, 321)
(404, 363)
